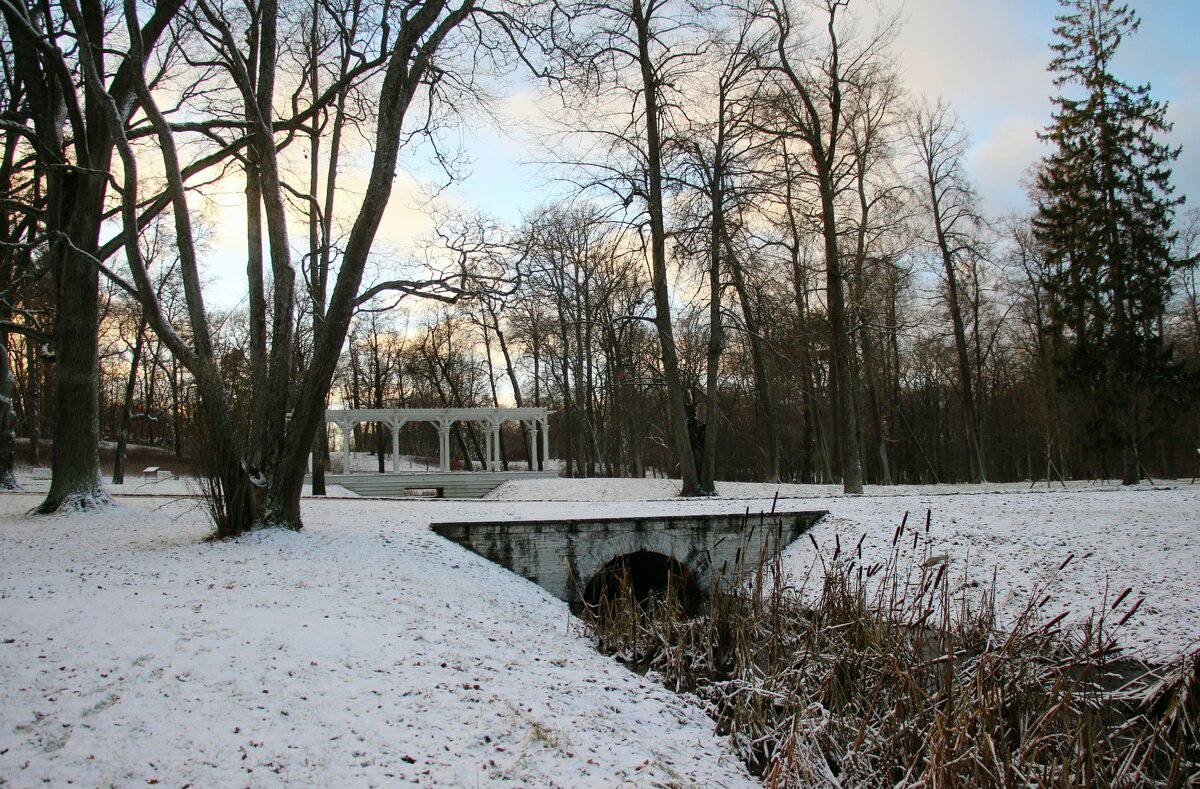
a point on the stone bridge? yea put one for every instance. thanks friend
(567, 557)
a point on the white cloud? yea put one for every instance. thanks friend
(1000, 160)
(975, 53)
(989, 57)
(222, 221)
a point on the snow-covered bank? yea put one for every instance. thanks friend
(362, 651)
(1142, 538)
(1145, 537)
(366, 651)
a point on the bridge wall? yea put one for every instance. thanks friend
(449, 484)
(563, 555)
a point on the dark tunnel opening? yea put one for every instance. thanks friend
(648, 579)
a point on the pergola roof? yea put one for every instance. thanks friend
(537, 419)
(490, 415)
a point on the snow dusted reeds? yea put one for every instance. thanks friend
(896, 673)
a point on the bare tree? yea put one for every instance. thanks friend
(819, 85)
(629, 56)
(941, 144)
(17, 227)
(54, 49)
(721, 147)
(1188, 244)
(262, 486)
(873, 126)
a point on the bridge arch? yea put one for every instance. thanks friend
(647, 576)
(637, 551)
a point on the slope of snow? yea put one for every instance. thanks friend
(1144, 539)
(367, 651)
(361, 651)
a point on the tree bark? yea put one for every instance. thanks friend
(841, 358)
(75, 475)
(716, 333)
(33, 401)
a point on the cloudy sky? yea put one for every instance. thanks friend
(988, 58)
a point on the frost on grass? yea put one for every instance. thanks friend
(366, 651)
(78, 502)
(362, 651)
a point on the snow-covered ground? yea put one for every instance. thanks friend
(364, 650)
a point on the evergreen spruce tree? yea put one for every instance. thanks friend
(1105, 213)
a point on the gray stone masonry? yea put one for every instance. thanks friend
(563, 555)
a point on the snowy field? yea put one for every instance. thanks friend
(367, 651)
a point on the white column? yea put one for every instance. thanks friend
(396, 445)
(496, 465)
(444, 449)
(533, 447)
(346, 448)
(545, 438)
(487, 443)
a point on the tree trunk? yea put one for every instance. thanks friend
(815, 444)
(75, 475)
(885, 466)
(658, 256)
(8, 262)
(568, 409)
(320, 452)
(33, 401)
(974, 439)
(176, 410)
(511, 372)
(8, 433)
(842, 350)
(716, 333)
(766, 396)
(118, 477)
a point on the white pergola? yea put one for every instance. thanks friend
(444, 418)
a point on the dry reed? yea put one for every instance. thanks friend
(890, 674)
